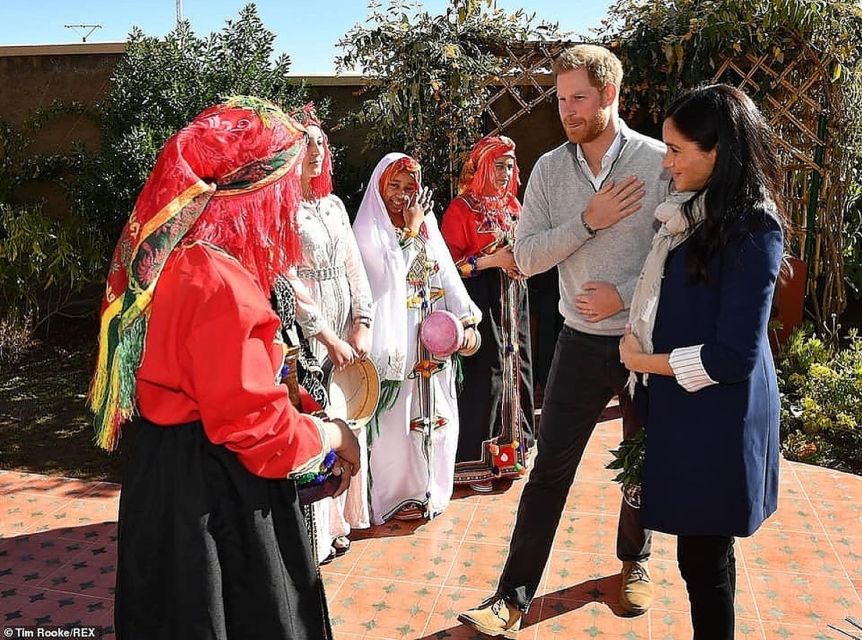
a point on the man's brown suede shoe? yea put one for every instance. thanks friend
(494, 617)
(636, 589)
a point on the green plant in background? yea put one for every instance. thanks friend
(428, 76)
(44, 262)
(48, 257)
(667, 46)
(160, 85)
(821, 400)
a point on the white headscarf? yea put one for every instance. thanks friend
(387, 274)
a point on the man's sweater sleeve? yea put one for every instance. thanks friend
(538, 244)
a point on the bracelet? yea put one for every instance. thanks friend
(317, 477)
(589, 229)
(469, 267)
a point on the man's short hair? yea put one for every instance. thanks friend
(603, 67)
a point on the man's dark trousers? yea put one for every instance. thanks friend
(585, 374)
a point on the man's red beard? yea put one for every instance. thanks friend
(591, 128)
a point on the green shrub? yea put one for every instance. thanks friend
(821, 401)
(44, 263)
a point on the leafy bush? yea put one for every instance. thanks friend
(428, 77)
(44, 263)
(16, 337)
(821, 401)
(158, 87)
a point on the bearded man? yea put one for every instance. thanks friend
(588, 210)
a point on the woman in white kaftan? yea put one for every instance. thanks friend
(333, 309)
(415, 437)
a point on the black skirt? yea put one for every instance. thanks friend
(208, 551)
(487, 414)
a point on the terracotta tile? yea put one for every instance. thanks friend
(377, 608)
(11, 481)
(600, 498)
(849, 552)
(347, 562)
(62, 487)
(566, 620)
(29, 560)
(844, 518)
(582, 577)
(668, 586)
(492, 524)
(332, 583)
(827, 484)
(82, 511)
(663, 547)
(587, 533)
(777, 550)
(23, 513)
(783, 631)
(676, 625)
(858, 585)
(477, 566)
(803, 599)
(413, 559)
(592, 468)
(450, 525)
(90, 571)
(794, 514)
(26, 605)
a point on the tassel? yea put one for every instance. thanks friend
(458, 371)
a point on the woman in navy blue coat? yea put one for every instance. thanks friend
(698, 342)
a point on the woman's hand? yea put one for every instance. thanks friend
(503, 258)
(360, 340)
(418, 206)
(630, 351)
(471, 341)
(346, 446)
(340, 353)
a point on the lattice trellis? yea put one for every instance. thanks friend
(798, 96)
(527, 81)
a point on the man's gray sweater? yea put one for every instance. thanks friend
(551, 233)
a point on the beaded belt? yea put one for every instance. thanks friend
(329, 273)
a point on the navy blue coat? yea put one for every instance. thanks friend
(712, 456)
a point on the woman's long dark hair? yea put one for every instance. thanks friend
(746, 178)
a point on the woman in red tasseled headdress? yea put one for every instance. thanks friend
(211, 540)
(496, 402)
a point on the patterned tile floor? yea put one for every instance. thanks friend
(802, 571)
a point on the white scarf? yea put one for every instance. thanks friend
(674, 231)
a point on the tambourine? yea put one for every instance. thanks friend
(442, 334)
(353, 392)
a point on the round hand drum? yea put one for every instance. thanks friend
(442, 334)
(353, 392)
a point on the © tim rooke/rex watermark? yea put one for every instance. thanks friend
(51, 632)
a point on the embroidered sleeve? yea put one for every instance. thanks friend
(689, 370)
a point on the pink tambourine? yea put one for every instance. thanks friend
(442, 333)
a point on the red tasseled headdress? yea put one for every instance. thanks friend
(477, 176)
(231, 178)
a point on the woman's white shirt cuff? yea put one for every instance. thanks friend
(688, 368)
